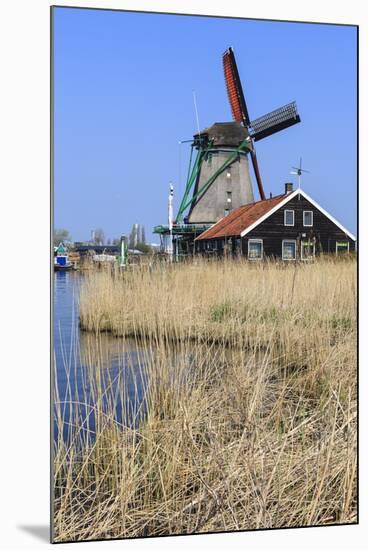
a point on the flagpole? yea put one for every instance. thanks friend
(171, 217)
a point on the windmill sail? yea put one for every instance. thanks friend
(261, 127)
(274, 122)
(234, 88)
(238, 106)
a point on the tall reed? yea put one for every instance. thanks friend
(241, 409)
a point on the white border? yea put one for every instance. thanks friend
(25, 198)
(296, 252)
(348, 250)
(256, 241)
(307, 212)
(289, 224)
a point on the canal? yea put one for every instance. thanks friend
(91, 373)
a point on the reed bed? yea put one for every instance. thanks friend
(242, 401)
(298, 306)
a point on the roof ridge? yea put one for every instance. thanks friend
(269, 198)
(261, 200)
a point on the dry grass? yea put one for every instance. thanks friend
(249, 412)
(253, 304)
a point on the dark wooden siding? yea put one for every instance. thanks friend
(272, 231)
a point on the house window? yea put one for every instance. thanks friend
(255, 249)
(307, 250)
(226, 211)
(289, 217)
(308, 218)
(288, 250)
(229, 197)
(342, 247)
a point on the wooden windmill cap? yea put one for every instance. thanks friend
(225, 134)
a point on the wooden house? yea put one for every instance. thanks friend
(291, 226)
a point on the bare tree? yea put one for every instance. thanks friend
(61, 235)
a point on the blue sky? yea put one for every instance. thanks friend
(124, 98)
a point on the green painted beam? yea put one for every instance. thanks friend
(243, 145)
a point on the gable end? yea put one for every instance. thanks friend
(289, 199)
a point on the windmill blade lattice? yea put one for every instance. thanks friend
(274, 122)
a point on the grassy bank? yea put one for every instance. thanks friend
(254, 426)
(298, 306)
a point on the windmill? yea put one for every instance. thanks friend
(219, 179)
(299, 171)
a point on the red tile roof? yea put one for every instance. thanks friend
(240, 218)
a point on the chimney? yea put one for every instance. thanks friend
(288, 188)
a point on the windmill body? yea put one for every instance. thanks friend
(232, 187)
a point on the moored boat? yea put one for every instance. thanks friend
(62, 263)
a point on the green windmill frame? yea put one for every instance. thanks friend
(203, 154)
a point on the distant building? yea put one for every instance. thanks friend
(85, 249)
(291, 226)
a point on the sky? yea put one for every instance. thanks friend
(123, 99)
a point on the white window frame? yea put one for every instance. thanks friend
(301, 250)
(256, 241)
(337, 242)
(307, 212)
(289, 224)
(288, 241)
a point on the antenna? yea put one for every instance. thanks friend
(299, 171)
(196, 112)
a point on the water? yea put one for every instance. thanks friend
(86, 364)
